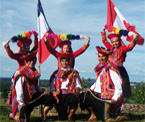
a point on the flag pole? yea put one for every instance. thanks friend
(38, 40)
(39, 63)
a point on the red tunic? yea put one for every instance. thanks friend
(74, 54)
(17, 56)
(119, 55)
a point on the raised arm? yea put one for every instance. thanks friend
(35, 47)
(83, 48)
(49, 48)
(132, 43)
(9, 51)
(104, 39)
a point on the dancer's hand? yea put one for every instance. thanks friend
(113, 101)
(77, 89)
(104, 30)
(45, 93)
(5, 44)
(54, 93)
(88, 39)
(23, 105)
(45, 37)
(135, 36)
(88, 89)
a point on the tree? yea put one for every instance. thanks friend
(139, 93)
(85, 84)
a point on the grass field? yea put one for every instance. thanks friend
(53, 117)
(79, 118)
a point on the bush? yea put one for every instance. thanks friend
(139, 93)
(86, 84)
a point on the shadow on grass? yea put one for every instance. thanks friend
(137, 117)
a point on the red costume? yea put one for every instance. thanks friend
(17, 56)
(118, 57)
(74, 54)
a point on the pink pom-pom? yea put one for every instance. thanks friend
(30, 32)
(45, 35)
(106, 26)
(52, 35)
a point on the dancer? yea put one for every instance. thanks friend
(106, 92)
(119, 56)
(23, 42)
(66, 48)
(65, 89)
(25, 92)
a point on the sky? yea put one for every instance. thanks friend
(82, 17)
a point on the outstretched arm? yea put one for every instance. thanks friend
(104, 39)
(49, 48)
(83, 48)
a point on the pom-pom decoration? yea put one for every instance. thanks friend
(20, 37)
(24, 35)
(117, 30)
(66, 36)
(14, 39)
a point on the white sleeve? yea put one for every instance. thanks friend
(78, 83)
(117, 83)
(19, 90)
(93, 86)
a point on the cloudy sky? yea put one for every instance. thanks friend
(84, 17)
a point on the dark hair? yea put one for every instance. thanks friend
(65, 58)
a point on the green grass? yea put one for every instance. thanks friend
(79, 118)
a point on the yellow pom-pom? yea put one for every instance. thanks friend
(65, 36)
(23, 35)
(61, 36)
(117, 31)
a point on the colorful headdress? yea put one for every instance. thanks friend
(103, 50)
(66, 42)
(65, 55)
(113, 35)
(24, 38)
(66, 36)
(117, 31)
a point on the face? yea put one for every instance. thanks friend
(102, 58)
(64, 63)
(65, 49)
(116, 43)
(31, 63)
(25, 48)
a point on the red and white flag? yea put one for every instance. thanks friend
(44, 28)
(116, 19)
